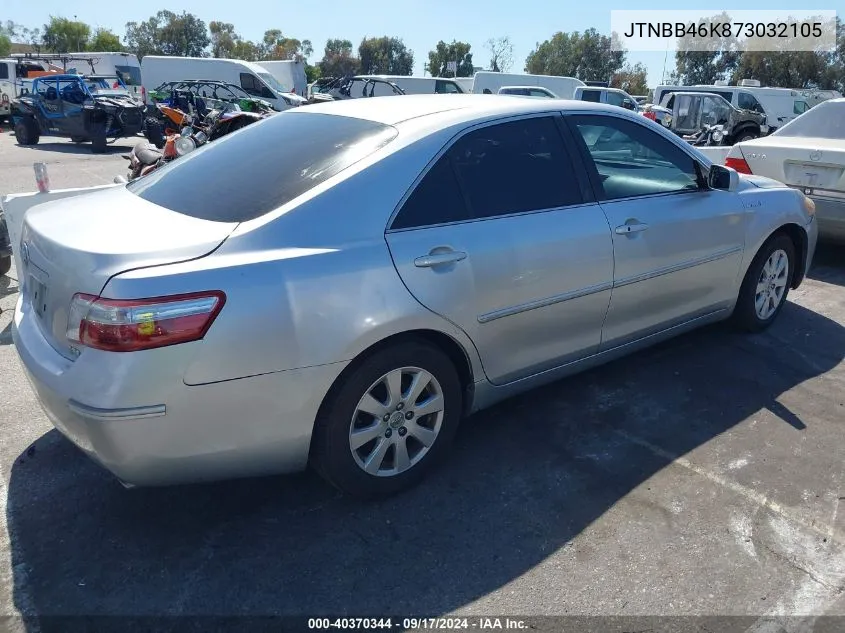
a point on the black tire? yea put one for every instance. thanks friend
(99, 141)
(154, 132)
(5, 264)
(745, 314)
(331, 453)
(27, 132)
(745, 135)
(77, 139)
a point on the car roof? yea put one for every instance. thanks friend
(463, 107)
(524, 88)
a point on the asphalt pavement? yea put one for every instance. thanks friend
(702, 477)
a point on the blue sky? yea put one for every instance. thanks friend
(420, 23)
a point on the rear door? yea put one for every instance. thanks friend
(501, 237)
(677, 244)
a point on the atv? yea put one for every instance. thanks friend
(84, 108)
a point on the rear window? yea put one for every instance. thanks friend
(263, 166)
(826, 120)
(131, 75)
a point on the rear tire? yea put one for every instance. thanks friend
(154, 132)
(766, 285)
(408, 433)
(5, 264)
(27, 132)
(745, 135)
(99, 141)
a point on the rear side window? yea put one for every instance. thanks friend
(446, 87)
(591, 95)
(4, 70)
(748, 101)
(515, 167)
(436, 200)
(242, 176)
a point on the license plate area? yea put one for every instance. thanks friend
(38, 296)
(812, 175)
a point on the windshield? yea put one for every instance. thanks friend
(100, 83)
(826, 120)
(316, 147)
(271, 81)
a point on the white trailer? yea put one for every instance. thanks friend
(487, 82)
(15, 77)
(290, 74)
(252, 78)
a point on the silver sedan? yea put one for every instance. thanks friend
(340, 284)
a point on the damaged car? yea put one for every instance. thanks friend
(81, 108)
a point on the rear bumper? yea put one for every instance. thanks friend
(154, 430)
(830, 213)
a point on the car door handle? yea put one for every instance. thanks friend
(635, 227)
(438, 259)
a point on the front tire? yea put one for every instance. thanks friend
(766, 285)
(388, 421)
(745, 135)
(5, 264)
(26, 132)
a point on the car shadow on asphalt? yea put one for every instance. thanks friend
(525, 478)
(83, 148)
(829, 264)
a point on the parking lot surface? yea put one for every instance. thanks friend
(701, 477)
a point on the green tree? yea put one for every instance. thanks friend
(275, 45)
(385, 56)
(17, 33)
(312, 73)
(586, 56)
(5, 45)
(167, 33)
(632, 79)
(65, 36)
(501, 54)
(443, 53)
(703, 61)
(104, 40)
(223, 38)
(338, 60)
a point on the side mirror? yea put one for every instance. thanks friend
(723, 178)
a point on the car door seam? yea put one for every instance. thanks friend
(667, 270)
(543, 303)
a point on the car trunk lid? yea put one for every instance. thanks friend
(77, 244)
(807, 164)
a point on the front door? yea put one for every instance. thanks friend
(501, 238)
(678, 244)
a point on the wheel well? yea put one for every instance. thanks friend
(441, 341)
(799, 240)
(745, 126)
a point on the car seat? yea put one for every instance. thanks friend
(52, 94)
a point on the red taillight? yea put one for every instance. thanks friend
(650, 115)
(143, 94)
(129, 325)
(738, 164)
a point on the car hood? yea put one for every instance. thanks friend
(117, 100)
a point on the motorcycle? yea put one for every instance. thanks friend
(708, 136)
(145, 158)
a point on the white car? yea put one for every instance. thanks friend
(807, 153)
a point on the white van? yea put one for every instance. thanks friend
(15, 77)
(418, 85)
(486, 82)
(290, 74)
(252, 78)
(780, 105)
(611, 96)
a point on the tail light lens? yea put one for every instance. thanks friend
(650, 115)
(129, 325)
(739, 164)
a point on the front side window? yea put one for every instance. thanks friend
(614, 98)
(446, 87)
(800, 107)
(129, 75)
(4, 70)
(242, 176)
(536, 92)
(714, 110)
(748, 101)
(632, 160)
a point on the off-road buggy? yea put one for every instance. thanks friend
(84, 108)
(351, 87)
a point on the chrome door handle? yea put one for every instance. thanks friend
(631, 228)
(438, 259)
